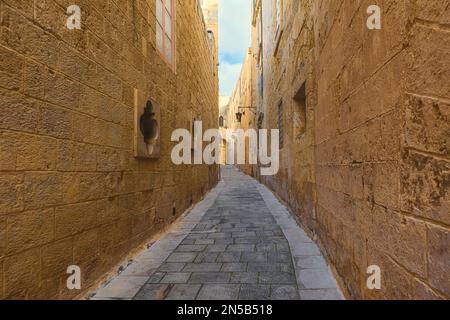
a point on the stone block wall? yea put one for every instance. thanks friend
(370, 176)
(71, 192)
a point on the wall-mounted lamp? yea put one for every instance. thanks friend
(239, 116)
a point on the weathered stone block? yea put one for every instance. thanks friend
(42, 190)
(17, 112)
(21, 281)
(11, 193)
(73, 219)
(428, 59)
(56, 258)
(439, 258)
(428, 125)
(35, 153)
(424, 186)
(10, 70)
(402, 237)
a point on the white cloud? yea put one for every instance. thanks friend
(234, 39)
(229, 74)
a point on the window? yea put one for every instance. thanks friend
(281, 124)
(221, 121)
(164, 29)
(299, 120)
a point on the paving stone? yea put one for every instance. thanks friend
(276, 240)
(321, 294)
(202, 267)
(254, 292)
(210, 277)
(184, 292)
(229, 257)
(305, 249)
(287, 268)
(217, 248)
(223, 241)
(203, 257)
(204, 241)
(153, 292)
(156, 277)
(284, 257)
(244, 277)
(254, 257)
(196, 236)
(252, 240)
(122, 287)
(219, 235)
(234, 267)
(248, 234)
(171, 267)
(285, 292)
(311, 262)
(316, 279)
(276, 278)
(189, 242)
(176, 277)
(191, 248)
(266, 247)
(283, 247)
(219, 292)
(241, 248)
(182, 257)
(140, 269)
(231, 230)
(263, 267)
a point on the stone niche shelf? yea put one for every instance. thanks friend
(147, 126)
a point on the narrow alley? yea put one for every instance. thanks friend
(224, 149)
(238, 243)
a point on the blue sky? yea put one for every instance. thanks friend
(234, 40)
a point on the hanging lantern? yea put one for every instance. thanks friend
(239, 116)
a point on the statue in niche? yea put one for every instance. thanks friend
(149, 127)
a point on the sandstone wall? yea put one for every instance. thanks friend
(71, 192)
(370, 176)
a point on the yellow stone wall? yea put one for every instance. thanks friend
(242, 101)
(71, 192)
(370, 176)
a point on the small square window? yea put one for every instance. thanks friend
(159, 38)
(168, 28)
(159, 12)
(169, 5)
(165, 30)
(168, 52)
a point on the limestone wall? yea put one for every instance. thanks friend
(242, 101)
(71, 191)
(369, 176)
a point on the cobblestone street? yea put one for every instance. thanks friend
(238, 243)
